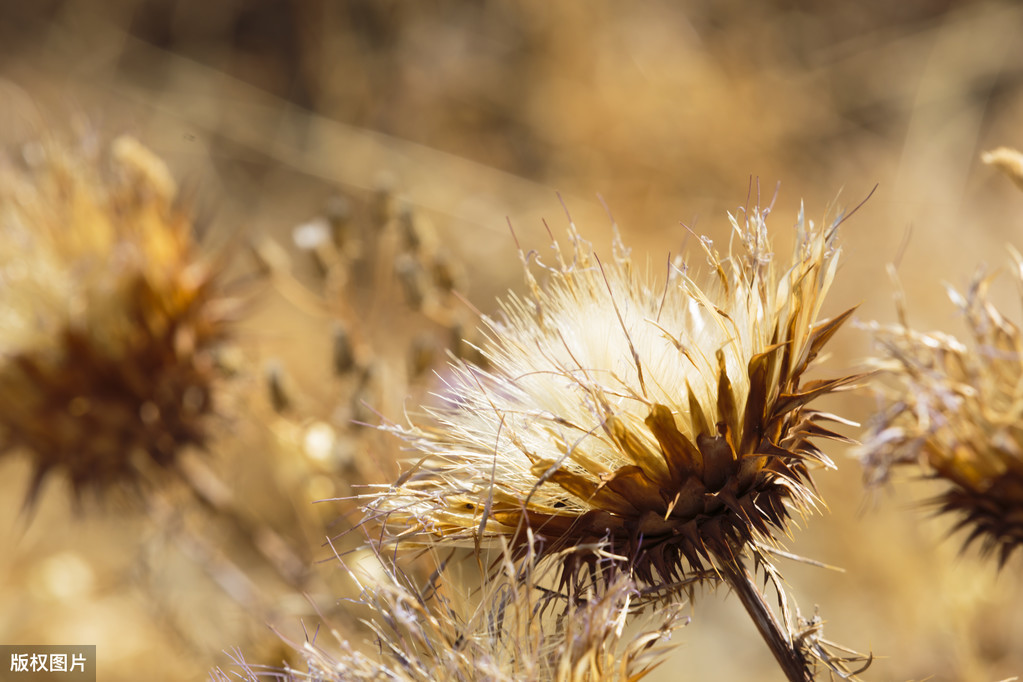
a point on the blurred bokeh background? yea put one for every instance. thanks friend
(471, 115)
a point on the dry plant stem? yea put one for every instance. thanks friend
(775, 634)
(226, 574)
(214, 495)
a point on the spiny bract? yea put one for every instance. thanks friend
(663, 420)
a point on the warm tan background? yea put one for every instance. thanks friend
(481, 113)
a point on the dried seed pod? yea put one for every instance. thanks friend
(314, 237)
(343, 353)
(422, 354)
(366, 394)
(954, 413)
(417, 236)
(111, 318)
(413, 280)
(448, 275)
(276, 383)
(667, 420)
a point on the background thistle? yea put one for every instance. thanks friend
(666, 421)
(953, 413)
(111, 318)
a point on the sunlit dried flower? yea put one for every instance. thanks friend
(509, 633)
(109, 317)
(666, 423)
(955, 411)
(666, 419)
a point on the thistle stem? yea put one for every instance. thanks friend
(792, 662)
(216, 496)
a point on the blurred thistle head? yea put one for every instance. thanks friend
(109, 315)
(663, 419)
(953, 412)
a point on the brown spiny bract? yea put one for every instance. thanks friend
(663, 418)
(955, 412)
(109, 317)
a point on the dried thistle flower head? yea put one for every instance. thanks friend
(666, 421)
(109, 318)
(510, 631)
(954, 412)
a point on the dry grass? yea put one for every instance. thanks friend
(510, 626)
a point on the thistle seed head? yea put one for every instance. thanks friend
(954, 412)
(664, 420)
(110, 318)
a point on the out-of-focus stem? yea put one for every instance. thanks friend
(217, 497)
